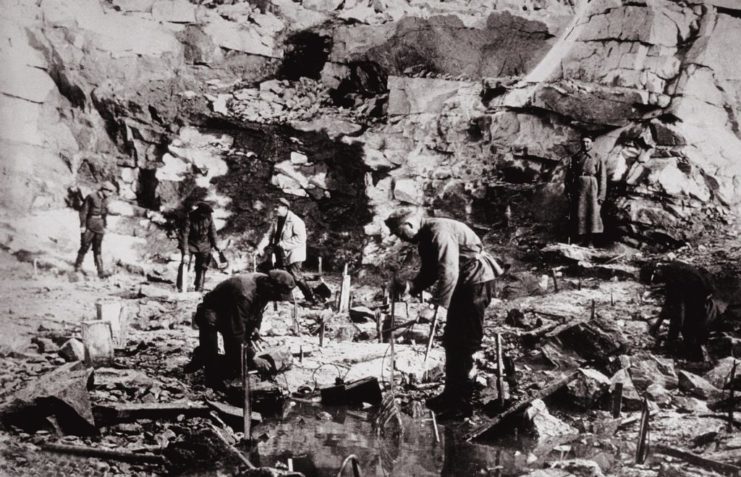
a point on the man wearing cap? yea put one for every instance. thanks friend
(461, 277)
(93, 216)
(197, 238)
(586, 188)
(287, 240)
(234, 308)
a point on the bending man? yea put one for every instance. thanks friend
(234, 308)
(461, 275)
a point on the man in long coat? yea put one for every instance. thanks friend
(460, 274)
(586, 187)
(286, 239)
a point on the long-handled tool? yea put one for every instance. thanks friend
(432, 336)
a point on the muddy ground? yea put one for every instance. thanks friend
(573, 433)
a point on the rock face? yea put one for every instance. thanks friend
(175, 101)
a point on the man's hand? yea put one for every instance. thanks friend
(83, 230)
(262, 365)
(427, 312)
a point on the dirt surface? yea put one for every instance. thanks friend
(148, 369)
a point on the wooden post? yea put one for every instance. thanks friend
(290, 465)
(320, 266)
(594, 309)
(344, 270)
(406, 306)
(344, 296)
(300, 353)
(578, 284)
(321, 333)
(617, 400)
(555, 280)
(379, 318)
(247, 410)
(641, 447)
(254, 262)
(500, 374)
(393, 360)
(296, 329)
(612, 299)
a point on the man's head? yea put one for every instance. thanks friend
(281, 208)
(404, 224)
(586, 143)
(280, 285)
(107, 189)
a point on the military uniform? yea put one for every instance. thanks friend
(586, 184)
(93, 215)
(197, 238)
(234, 308)
(461, 274)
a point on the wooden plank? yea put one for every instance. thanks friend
(154, 410)
(698, 460)
(99, 453)
(520, 407)
(344, 304)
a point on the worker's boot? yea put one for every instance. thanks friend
(197, 361)
(78, 261)
(200, 279)
(102, 273)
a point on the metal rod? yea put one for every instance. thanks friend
(555, 280)
(321, 333)
(301, 353)
(379, 318)
(434, 426)
(641, 446)
(320, 266)
(355, 466)
(247, 411)
(296, 329)
(594, 309)
(431, 338)
(393, 360)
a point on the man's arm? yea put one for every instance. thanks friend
(444, 272)
(212, 232)
(265, 240)
(602, 178)
(297, 238)
(184, 232)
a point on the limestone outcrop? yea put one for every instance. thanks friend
(353, 108)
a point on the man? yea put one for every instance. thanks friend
(197, 238)
(287, 241)
(93, 221)
(586, 188)
(454, 263)
(691, 304)
(234, 308)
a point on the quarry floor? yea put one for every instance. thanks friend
(317, 438)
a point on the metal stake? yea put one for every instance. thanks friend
(555, 280)
(320, 266)
(247, 411)
(434, 426)
(500, 366)
(617, 400)
(642, 446)
(321, 334)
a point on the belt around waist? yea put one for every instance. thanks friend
(95, 215)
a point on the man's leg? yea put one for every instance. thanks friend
(86, 240)
(295, 270)
(98, 253)
(202, 259)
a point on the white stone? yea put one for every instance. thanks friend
(176, 11)
(408, 190)
(298, 158)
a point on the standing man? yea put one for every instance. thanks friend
(586, 187)
(287, 241)
(234, 308)
(197, 238)
(93, 221)
(461, 274)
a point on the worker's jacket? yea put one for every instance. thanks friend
(451, 255)
(586, 183)
(291, 240)
(198, 234)
(691, 300)
(236, 306)
(94, 213)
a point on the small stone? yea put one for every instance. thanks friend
(697, 386)
(72, 350)
(324, 416)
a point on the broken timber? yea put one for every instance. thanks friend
(133, 411)
(519, 407)
(125, 456)
(700, 461)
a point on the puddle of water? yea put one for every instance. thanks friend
(318, 447)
